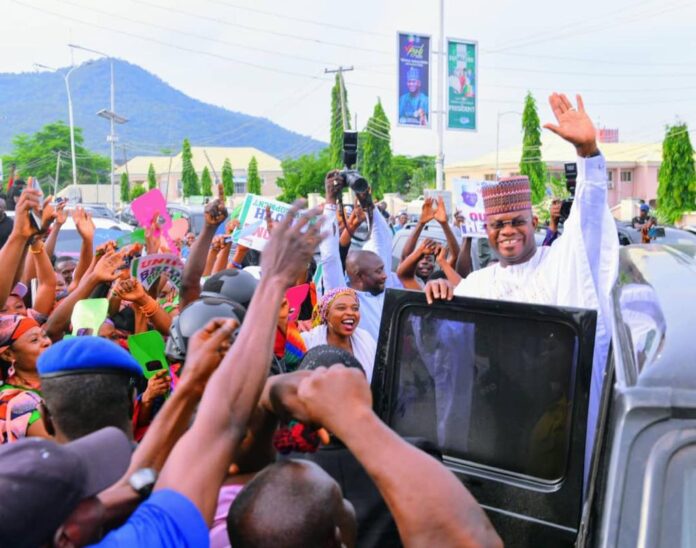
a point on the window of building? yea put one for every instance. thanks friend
(610, 175)
(626, 177)
(240, 185)
(489, 177)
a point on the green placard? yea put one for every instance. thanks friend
(148, 350)
(462, 84)
(88, 316)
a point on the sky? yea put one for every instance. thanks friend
(634, 61)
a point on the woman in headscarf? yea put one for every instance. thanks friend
(22, 341)
(336, 318)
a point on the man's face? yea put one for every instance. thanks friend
(66, 269)
(403, 219)
(413, 86)
(372, 274)
(425, 267)
(512, 236)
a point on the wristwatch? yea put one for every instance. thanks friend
(142, 481)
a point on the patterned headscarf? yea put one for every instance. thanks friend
(321, 310)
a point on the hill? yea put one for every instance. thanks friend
(157, 113)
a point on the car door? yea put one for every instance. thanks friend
(502, 389)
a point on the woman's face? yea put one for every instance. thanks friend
(344, 315)
(14, 305)
(26, 350)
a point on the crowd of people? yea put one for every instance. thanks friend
(259, 428)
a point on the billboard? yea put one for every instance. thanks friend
(414, 80)
(462, 84)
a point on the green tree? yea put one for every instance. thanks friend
(36, 155)
(137, 190)
(411, 175)
(151, 177)
(336, 141)
(304, 175)
(206, 182)
(676, 191)
(253, 179)
(189, 178)
(531, 163)
(377, 154)
(227, 178)
(125, 188)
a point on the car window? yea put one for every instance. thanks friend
(69, 242)
(487, 389)
(623, 238)
(678, 503)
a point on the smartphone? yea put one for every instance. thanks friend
(34, 217)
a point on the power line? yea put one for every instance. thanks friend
(286, 17)
(352, 47)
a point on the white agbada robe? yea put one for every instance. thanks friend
(578, 270)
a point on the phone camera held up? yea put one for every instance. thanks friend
(571, 177)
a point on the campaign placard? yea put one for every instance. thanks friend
(414, 80)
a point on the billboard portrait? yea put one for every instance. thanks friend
(414, 80)
(462, 84)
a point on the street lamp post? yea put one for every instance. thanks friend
(111, 116)
(497, 139)
(66, 77)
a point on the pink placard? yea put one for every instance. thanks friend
(150, 205)
(296, 296)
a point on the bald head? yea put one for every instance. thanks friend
(366, 272)
(293, 504)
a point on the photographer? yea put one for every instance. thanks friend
(368, 269)
(552, 229)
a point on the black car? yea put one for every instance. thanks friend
(503, 390)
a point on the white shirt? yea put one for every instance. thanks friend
(578, 270)
(380, 242)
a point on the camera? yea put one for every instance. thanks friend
(571, 177)
(349, 176)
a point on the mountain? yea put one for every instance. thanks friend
(157, 113)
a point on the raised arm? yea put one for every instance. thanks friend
(442, 512)
(427, 215)
(407, 267)
(45, 296)
(234, 390)
(215, 214)
(104, 271)
(131, 290)
(330, 257)
(464, 265)
(452, 243)
(13, 252)
(85, 228)
(380, 240)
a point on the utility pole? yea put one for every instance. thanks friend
(440, 159)
(55, 185)
(212, 168)
(340, 70)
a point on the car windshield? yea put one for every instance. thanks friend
(69, 242)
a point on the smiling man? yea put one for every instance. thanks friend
(579, 270)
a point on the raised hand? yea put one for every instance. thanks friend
(440, 253)
(61, 213)
(83, 223)
(332, 177)
(268, 217)
(106, 270)
(335, 397)
(215, 213)
(427, 212)
(575, 126)
(206, 348)
(280, 396)
(440, 214)
(130, 290)
(48, 214)
(291, 247)
(158, 385)
(28, 200)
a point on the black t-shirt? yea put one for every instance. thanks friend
(5, 229)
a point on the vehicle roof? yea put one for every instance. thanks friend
(193, 208)
(655, 295)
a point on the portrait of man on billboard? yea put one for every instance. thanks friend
(413, 105)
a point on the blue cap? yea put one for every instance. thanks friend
(644, 207)
(86, 355)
